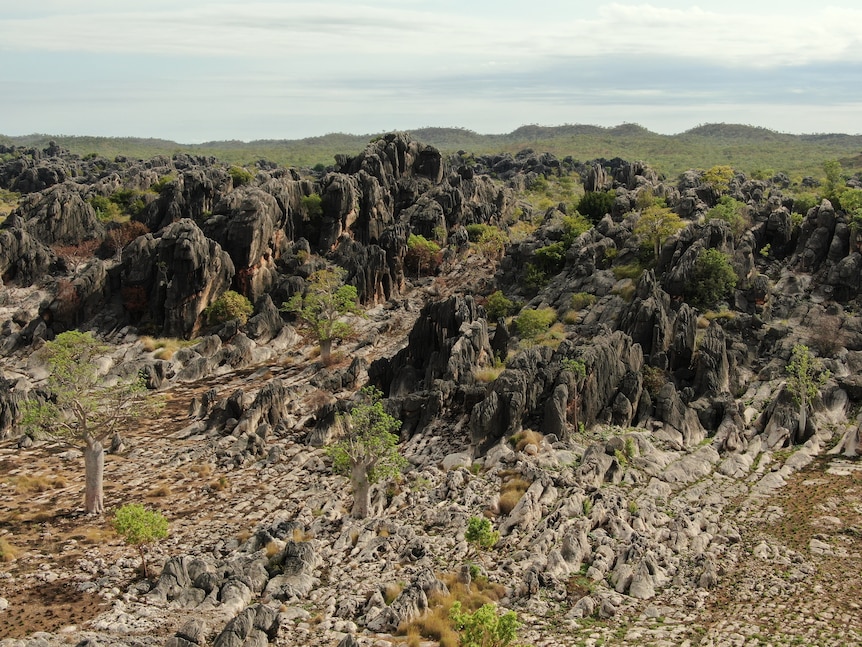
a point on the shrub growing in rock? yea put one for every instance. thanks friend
(140, 527)
(485, 627)
(480, 533)
(712, 279)
(499, 306)
(422, 254)
(532, 323)
(230, 305)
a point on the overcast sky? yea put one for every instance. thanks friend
(201, 70)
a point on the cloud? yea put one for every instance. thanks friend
(390, 36)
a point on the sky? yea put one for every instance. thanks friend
(206, 70)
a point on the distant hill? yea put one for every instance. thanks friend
(747, 148)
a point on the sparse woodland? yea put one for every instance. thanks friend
(419, 396)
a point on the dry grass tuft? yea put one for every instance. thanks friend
(161, 490)
(29, 484)
(511, 492)
(8, 552)
(524, 438)
(219, 484)
(392, 591)
(272, 549)
(435, 624)
(203, 470)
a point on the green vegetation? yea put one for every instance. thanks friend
(480, 533)
(327, 299)
(499, 306)
(240, 176)
(368, 450)
(106, 210)
(491, 241)
(731, 211)
(718, 177)
(581, 300)
(532, 323)
(550, 259)
(595, 204)
(130, 201)
(805, 375)
(140, 527)
(422, 254)
(485, 627)
(655, 224)
(84, 410)
(712, 280)
(231, 305)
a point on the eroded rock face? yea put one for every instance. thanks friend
(58, 215)
(176, 275)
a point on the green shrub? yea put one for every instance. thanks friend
(802, 202)
(484, 627)
(581, 300)
(631, 271)
(550, 258)
(105, 209)
(595, 204)
(240, 175)
(480, 533)
(532, 323)
(312, 205)
(422, 254)
(534, 278)
(230, 305)
(712, 279)
(130, 201)
(731, 211)
(491, 241)
(162, 182)
(139, 527)
(499, 306)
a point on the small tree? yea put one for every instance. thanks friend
(733, 212)
(82, 409)
(579, 371)
(230, 305)
(532, 323)
(326, 300)
(718, 178)
(655, 224)
(499, 306)
(485, 627)
(140, 527)
(421, 253)
(805, 377)
(480, 534)
(712, 279)
(595, 204)
(368, 451)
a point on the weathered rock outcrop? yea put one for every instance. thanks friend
(174, 277)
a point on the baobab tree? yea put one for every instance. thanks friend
(81, 409)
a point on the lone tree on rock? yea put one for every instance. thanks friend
(655, 225)
(326, 300)
(805, 377)
(140, 527)
(368, 450)
(82, 409)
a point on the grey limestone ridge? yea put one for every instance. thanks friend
(647, 476)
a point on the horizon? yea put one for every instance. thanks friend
(420, 128)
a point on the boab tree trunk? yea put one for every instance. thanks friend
(94, 472)
(361, 491)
